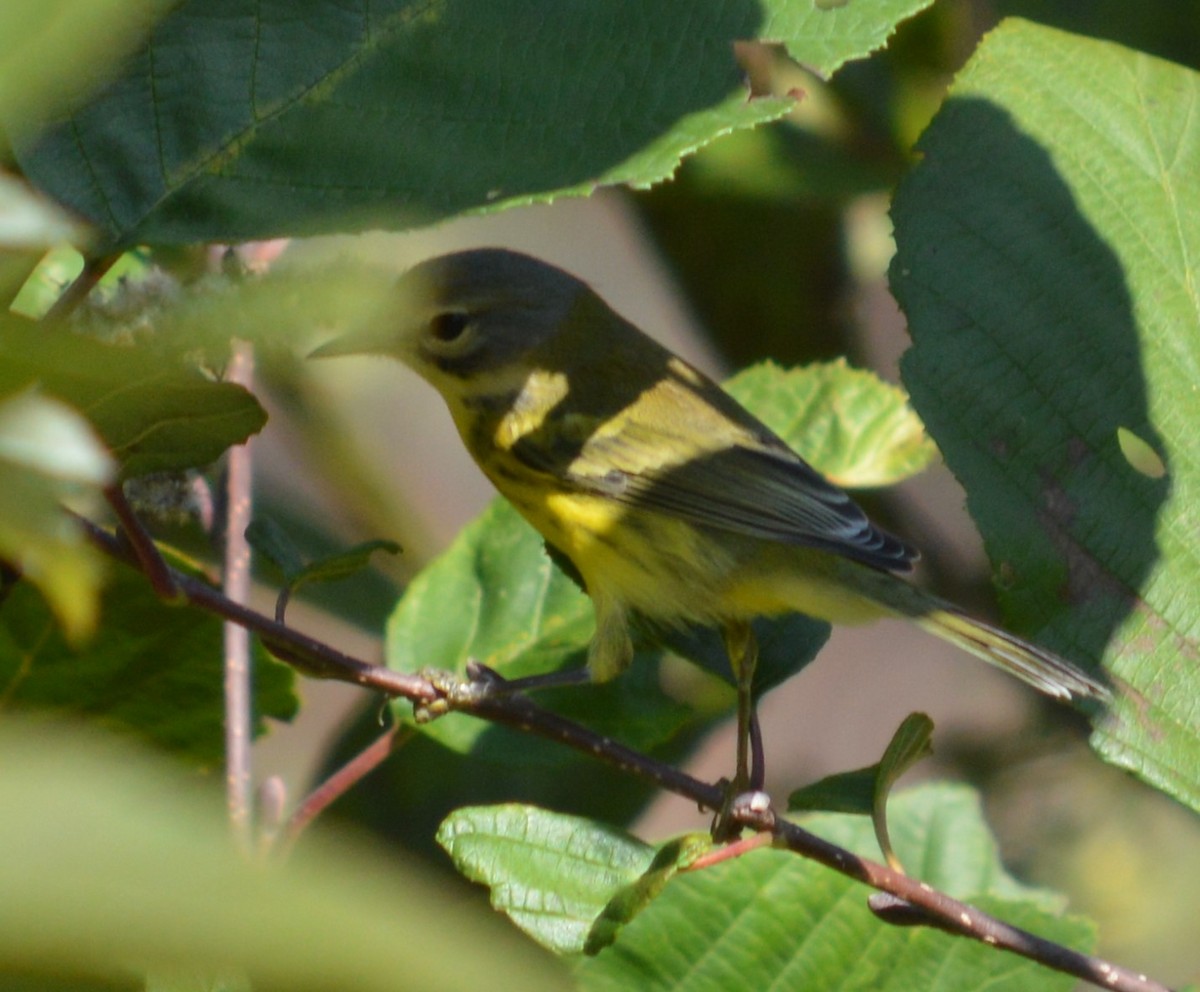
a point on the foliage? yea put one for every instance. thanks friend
(1045, 235)
(1101, 301)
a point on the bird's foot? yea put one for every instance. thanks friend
(741, 808)
(456, 692)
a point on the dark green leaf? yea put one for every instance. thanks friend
(672, 857)
(1050, 314)
(785, 645)
(152, 669)
(865, 791)
(416, 113)
(843, 792)
(272, 542)
(49, 61)
(344, 564)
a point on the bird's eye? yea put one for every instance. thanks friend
(449, 326)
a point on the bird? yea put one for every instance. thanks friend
(671, 501)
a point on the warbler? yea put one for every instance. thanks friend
(669, 498)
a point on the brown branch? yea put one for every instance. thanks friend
(313, 657)
(920, 904)
(150, 559)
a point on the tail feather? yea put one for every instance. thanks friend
(1044, 670)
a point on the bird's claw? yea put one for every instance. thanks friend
(742, 807)
(454, 692)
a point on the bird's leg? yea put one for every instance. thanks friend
(758, 772)
(742, 649)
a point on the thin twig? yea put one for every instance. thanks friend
(94, 269)
(149, 557)
(238, 702)
(341, 781)
(930, 906)
(311, 656)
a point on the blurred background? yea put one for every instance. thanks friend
(773, 243)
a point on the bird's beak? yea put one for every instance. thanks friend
(363, 341)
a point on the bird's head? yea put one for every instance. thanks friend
(467, 321)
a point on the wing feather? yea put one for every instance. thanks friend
(748, 482)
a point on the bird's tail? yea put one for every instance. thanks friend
(839, 590)
(1042, 669)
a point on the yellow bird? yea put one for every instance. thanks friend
(670, 499)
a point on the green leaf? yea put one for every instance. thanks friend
(49, 454)
(189, 980)
(1049, 313)
(824, 36)
(495, 597)
(848, 423)
(775, 920)
(150, 669)
(672, 858)
(417, 112)
(114, 864)
(912, 742)
(842, 792)
(785, 645)
(862, 790)
(866, 790)
(344, 564)
(270, 540)
(1141, 457)
(551, 874)
(153, 413)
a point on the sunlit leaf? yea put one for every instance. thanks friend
(849, 424)
(776, 920)
(551, 874)
(49, 454)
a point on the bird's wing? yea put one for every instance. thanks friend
(741, 479)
